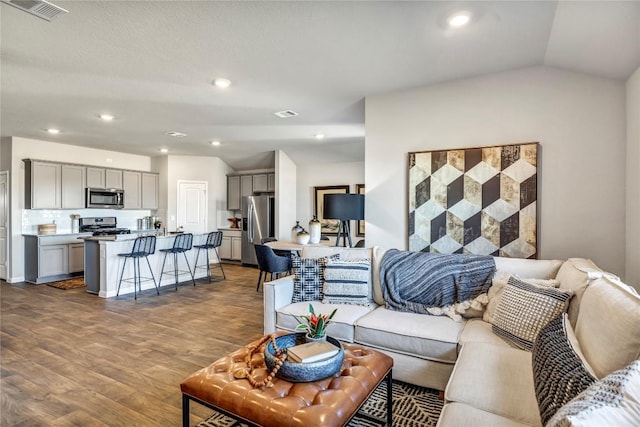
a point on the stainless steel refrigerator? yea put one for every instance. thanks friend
(257, 224)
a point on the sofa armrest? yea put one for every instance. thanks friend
(277, 294)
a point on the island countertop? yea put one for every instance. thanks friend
(103, 265)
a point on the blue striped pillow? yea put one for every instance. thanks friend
(347, 282)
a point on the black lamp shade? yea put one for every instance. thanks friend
(343, 206)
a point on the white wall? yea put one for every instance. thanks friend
(191, 168)
(579, 121)
(23, 220)
(310, 176)
(632, 260)
(285, 196)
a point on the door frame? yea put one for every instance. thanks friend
(206, 200)
(7, 225)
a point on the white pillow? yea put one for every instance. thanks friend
(612, 401)
(500, 280)
(524, 309)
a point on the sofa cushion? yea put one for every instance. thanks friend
(420, 335)
(342, 323)
(477, 330)
(460, 414)
(308, 277)
(534, 268)
(576, 274)
(347, 282)
(497, 289)
(612, 401)
(525, 309)
(608, 325)
(559, 371)
(495, 379)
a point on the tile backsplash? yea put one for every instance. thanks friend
(32, 217)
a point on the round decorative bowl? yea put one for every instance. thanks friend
(302, 372)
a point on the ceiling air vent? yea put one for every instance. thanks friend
(286, 113)
(40, 8)
(175, 134)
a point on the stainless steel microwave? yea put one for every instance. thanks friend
(105, 198)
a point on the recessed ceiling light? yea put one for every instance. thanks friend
(319, 136)
(222, 82)
(175, 134)
(53, 131)
(106, 117)
(215, 143)
(459, 19)
(164, 150)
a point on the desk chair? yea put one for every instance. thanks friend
(269, 262)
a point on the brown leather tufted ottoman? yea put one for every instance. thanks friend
(329, 402)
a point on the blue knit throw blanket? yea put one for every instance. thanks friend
(417, 281)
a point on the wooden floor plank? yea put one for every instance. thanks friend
(69, 358)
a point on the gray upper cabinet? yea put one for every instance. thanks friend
(246, 185)
(113, 178)
(150, 190)
(96, 177)
(271, 182)
(233, 193)
(260, 183)
(132, 186)
(42, 185)
(73, 184)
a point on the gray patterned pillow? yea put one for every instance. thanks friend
(347, 282)
(559, 373)
(612, 401)
(308, 277)
(525, 309)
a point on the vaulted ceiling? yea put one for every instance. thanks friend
(151, 64)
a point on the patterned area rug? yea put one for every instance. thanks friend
(76, 282)
(413, 406)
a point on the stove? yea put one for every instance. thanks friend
(111, 231)
(102, 226)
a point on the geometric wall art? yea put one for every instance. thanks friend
(475, 200)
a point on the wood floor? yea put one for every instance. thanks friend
(69, 358)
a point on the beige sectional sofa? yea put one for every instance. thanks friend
(486, 380)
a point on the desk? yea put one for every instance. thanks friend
(287, 245)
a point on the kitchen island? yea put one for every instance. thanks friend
(103, 266)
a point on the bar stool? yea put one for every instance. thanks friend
(214, 240)
(142, 247)
(181, 244)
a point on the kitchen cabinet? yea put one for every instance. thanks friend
(132, 186)
(95, 177)
(76, 257)
(113, 178)
(260, 183)
(72, 186)
(233, 193)
(42, 185)
(271, 182)
(52, 258)
(246, 185)
(231, 247)
(150, 190)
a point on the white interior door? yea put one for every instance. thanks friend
(192, 206)
(4, 223)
